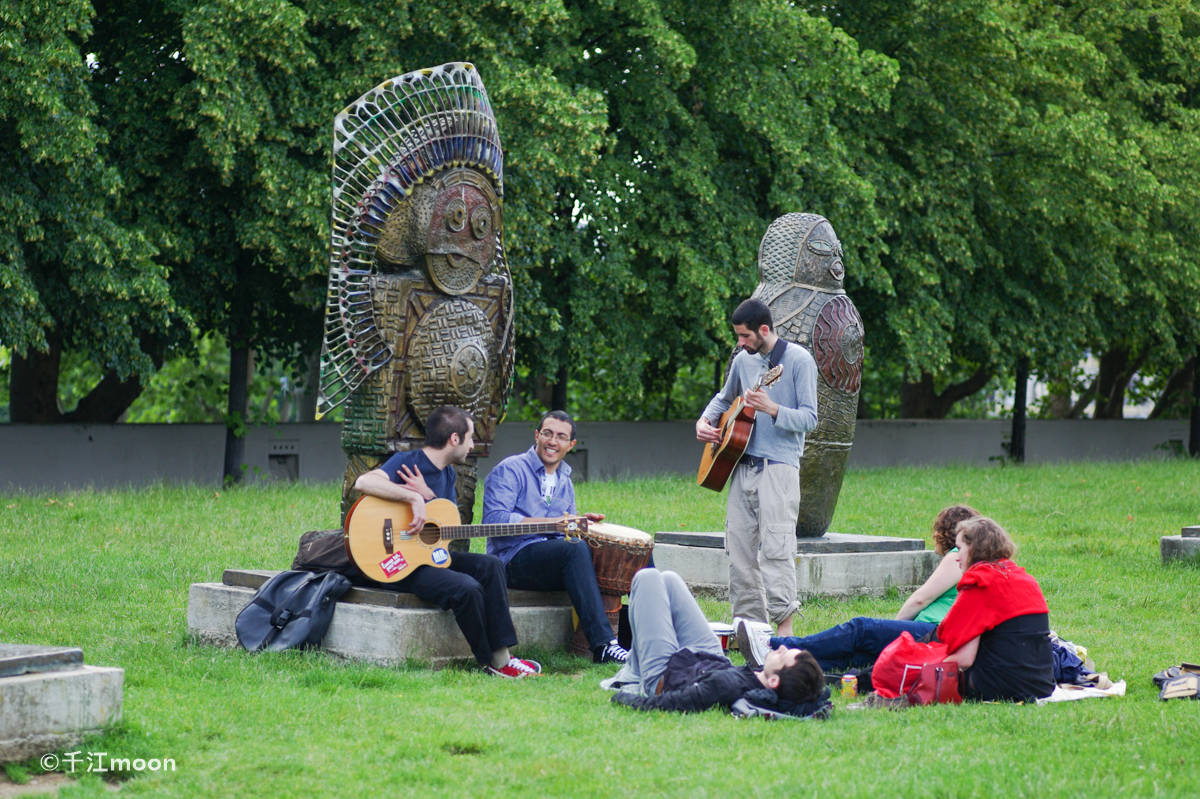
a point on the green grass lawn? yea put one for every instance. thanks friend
(109, 572)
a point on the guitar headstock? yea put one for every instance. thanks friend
(772, 374)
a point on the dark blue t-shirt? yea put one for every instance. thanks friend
(440, 481)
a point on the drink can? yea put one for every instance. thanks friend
(849, 685)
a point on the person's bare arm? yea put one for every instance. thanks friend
(964, 656)
(944, 577)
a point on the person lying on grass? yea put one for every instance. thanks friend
(998, 630)
(856, 643)
(676, 662)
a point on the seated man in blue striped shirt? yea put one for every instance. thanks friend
(536, 486)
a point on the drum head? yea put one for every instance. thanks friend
(618, 532)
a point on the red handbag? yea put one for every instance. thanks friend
(931, 683)
(916, 671)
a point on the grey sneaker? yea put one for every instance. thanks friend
(753, 640)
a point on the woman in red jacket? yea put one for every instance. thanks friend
(998, 630)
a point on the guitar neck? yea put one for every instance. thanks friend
(460, 531)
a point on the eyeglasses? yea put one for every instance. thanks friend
(550, 435)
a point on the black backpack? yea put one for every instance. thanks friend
(292, 609)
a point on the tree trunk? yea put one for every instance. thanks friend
(1178, 389)
(1194, 427)
(33, 385)
(312, 380)
(107, 402)
(1116, 370)
(558, 392)
(1016, 448)
(235, 418)
(919, 400)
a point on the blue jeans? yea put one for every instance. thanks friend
(855, 643)
(559, 564)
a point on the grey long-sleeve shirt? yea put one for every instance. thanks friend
(782, 438)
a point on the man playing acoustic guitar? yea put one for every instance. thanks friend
(764, 491)
(473, 585)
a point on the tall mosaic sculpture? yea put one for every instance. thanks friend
(419, 306)
(800, 279)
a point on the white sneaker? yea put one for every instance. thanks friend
(753, 640)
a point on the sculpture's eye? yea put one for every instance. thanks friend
(481, 221)
(456, 214)
(820, 246)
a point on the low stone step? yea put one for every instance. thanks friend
(382, 626)
(1179, 547)
(50, 699)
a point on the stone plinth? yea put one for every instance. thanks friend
(1184, 546)
(50, 700)
(381, 626)
(835, 564)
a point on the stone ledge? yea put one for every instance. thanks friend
(828, 544)
(366, 595)
(48, 710)
(387, 635)
(841, 574)
(1179, 547)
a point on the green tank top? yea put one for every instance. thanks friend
(936, 610)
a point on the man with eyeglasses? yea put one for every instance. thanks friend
(535, 485)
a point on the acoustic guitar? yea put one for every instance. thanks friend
(377, 538)
(717, 460)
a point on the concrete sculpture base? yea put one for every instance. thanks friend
(835, 564)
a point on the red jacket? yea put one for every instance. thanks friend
(989, 593)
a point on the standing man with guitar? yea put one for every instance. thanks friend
(473, 585)
(535, 486)
(764, 493)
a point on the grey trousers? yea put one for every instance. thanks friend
(665, 619)
(760, 537)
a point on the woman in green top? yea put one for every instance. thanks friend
(858, 642)
(933, 599)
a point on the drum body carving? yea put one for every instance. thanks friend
(419, 306)
(618, 553)
(800, 279)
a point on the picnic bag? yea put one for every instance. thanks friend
(916, 671)
(292, 609)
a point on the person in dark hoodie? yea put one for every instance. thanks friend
(676, 662)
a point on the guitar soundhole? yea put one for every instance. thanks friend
(429, 535)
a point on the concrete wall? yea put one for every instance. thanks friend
(57, 457)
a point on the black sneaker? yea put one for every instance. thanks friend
(612, 652)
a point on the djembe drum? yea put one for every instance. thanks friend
(618, 552)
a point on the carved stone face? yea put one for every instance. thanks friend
(819, 260)
(463, 226)
(451, 221)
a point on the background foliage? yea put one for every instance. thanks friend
(1011, 180)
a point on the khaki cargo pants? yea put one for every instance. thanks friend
(760, 538)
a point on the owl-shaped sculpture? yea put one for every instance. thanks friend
(419, 307)
(800, 276)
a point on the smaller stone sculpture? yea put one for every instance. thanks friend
(800, 279)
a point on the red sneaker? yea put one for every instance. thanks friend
(516, 668)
